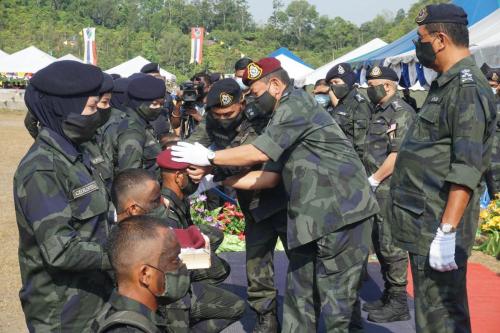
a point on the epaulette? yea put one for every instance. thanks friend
(396, 105)
(466, 77)
(360, 98)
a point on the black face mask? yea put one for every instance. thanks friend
(265, 102)
(104, 115)
(376, 93)
(425, 53)
(227, 125)
(190, 187)
(81, 128)
(148, 113)
(340, 90)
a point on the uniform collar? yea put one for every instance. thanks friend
(60, 144)
(286, 93)
(135, 116)
(123, 303)
(169, 194)
(350, 95)
(446, 77)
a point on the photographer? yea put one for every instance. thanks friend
(190, 107)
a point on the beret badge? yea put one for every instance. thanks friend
(254, 71)
(422, 15)
(225, 99)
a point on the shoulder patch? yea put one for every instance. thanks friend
(466, 77)
(396, 105)
(360, 98)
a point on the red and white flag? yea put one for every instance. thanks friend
(90, 55)
(197, 35)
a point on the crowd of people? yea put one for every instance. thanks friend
(102, 196)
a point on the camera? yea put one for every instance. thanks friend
(191, 91)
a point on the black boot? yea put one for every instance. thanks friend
(395, 309)
(267, 323)
(375, 305)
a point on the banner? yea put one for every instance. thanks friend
(90, 55)
(197, 35)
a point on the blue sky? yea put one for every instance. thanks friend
(356, 11)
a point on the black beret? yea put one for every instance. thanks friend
(383, 73)
(152, 67)
(242, 64)
(214, 77)
(442, 13)
(121, 85)
(338, 71)
(146, 88)
(223, 93)
(68, 78)
(116, 76)
(107, 84)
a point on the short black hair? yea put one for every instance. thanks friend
(204, 75)
(126, 181)
(242, 64)
(280, 74)
(321, 82)
(458, 33)
(128, 238)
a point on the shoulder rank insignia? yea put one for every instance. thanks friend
(359, 98)
(225, 99)
(84, 190)
(395, 104)
(466, 76)
(254, 71)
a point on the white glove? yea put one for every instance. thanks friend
(442, 252)
(207, 183)
(195, 154)
(373, 183)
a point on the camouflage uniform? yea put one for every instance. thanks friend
(265, 213)
(449, 143)
(388, 126)
(61, 212)
(353, 115)
(329, 210)
(101, 165)
(493, 173)
(119, 303)
(106, 136)
(206, 308)
(136, 144)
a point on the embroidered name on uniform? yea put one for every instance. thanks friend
(97, 160)
(84, 190)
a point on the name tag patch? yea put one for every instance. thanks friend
(84, 190)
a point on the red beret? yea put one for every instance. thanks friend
(190, 237)
(257, 70)
(164, 161)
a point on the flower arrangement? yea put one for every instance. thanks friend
(488, 240)
(228, 218)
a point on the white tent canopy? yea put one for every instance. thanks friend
(3, 54)
(69, 56)
(294, 66)
(320, 73)
(134, 66)
(28, 60)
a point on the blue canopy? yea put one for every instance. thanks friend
(475, 9)
(286, 52)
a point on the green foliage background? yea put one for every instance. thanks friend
(159, 30)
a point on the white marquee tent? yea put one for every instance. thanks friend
(3, 54)
(134, 66)
(294, 66)
(28, 60)
(320, 73)
(69, 56)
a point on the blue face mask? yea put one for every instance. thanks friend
(240, 83)
(322, 99)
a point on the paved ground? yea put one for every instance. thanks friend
(371, 291)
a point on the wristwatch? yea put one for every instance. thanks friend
(447, 228)
(211, 156)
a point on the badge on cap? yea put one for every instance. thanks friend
(254, 71)
(341, 70)
(225, 99)
(375, 72)
(422, 15)
(494, 77)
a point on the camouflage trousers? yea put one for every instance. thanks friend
(440, 297)
(324, 278)
(260, 241)
(206, 309)
(393, 260)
